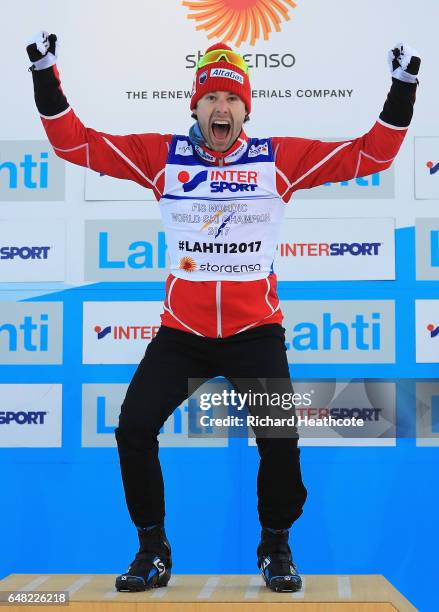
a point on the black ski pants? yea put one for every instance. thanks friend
(160, 384)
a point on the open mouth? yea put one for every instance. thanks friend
(221, 130)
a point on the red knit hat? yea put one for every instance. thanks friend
(221, 76)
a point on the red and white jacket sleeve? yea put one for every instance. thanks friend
(303, 163)
(137, 157)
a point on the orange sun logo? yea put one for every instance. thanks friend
(187, 264)
(239, 20)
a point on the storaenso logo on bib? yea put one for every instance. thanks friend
(230, 269)
(190, 265)
(226, 74)
(220, 180)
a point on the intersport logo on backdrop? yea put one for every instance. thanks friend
(427, 249)
(380, 185)
(119, 332)
(30, 415)
(100, 414)
(432, 167)
(336, 249)
(340, 331)
(30, 171)
(30, 333)
(127, 332)
(33, 251)
(125, 250)
(427, 331)
(426, 168)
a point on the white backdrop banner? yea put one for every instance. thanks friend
(32, 252)
(336, 249)
(119, 332)
(340, 331)
(30, 416)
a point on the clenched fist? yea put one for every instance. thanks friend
(42, 50)
(404, 63)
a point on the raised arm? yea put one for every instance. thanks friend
(303, 163)
(138, 157)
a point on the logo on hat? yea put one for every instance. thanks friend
(202, 77)
(242, 20)
(227, 74)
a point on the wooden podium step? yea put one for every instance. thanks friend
(204, 593)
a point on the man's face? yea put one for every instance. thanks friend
(220, 115)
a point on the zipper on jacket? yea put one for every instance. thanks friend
(218, 309)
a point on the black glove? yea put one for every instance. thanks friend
(42, 50)
(404, 63)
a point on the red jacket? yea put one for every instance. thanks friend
(222, 308)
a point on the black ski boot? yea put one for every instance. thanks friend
(152, 565)
(276, 563)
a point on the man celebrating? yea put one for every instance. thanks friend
(222, 197)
